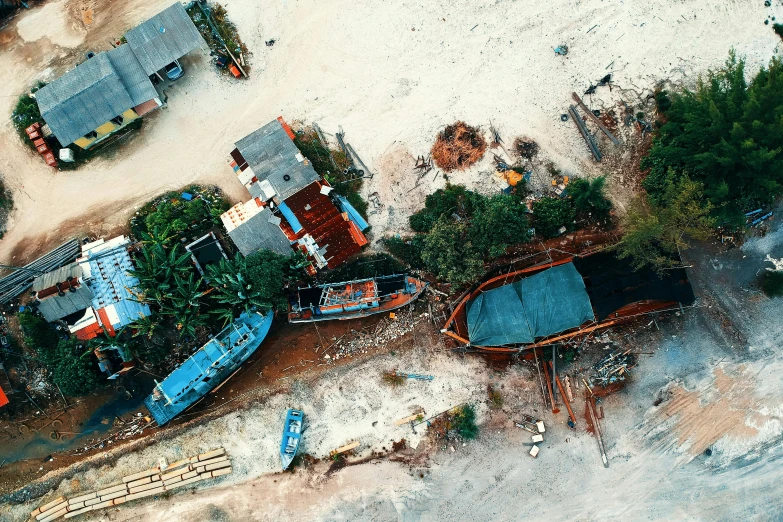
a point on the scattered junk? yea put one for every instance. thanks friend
(534, 451)
(353, 299)
(593, 416)
(531, 424)
(418, 416)
(344, 449)
(458, 147)
(35, 134)
(423, 165)
(151, 482)
(613, 367)
(66, 155)
(754, 221)
(386, 331)
(209, 367)
(128, 429)
(270, 43)
(562, 50)
(525, 148)
(292, 433)
(595, 119)
(580, 125)
(415, 376)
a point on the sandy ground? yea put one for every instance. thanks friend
(708, 379)
(392, 73)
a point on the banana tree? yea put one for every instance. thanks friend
(185, 304)
(158, 236)
(234, 289)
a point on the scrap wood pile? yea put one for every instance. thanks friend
(613, 368)
(458, 147)
(387, 330)
(127, 430)
(146, 483)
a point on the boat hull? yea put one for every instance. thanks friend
(292, 434)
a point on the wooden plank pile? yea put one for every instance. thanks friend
(146, 483)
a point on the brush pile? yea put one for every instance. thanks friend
(458, 147)
(525, 147)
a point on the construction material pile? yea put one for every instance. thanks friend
(128, 429)
(139, 485)
(387, 330)
(458, 147)
(613, 368)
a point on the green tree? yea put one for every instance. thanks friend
(72, 368)
(727, 134)
(551, 214)
(454, 199)
(463, 421)
(589, 199)
(268, 272)
(447, 253)
(656, 232)
(499, 222)
(38, 334)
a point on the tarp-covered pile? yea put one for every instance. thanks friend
(549, 302)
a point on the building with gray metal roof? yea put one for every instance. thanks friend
(259, 231)
(270, 164)
(167, 36)
(94, 93)
(73, 300)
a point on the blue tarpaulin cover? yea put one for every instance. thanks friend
(290, 217)
(544, 304)
(353, 214)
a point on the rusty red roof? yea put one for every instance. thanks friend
(329, 228)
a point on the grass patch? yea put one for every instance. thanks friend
(392, 379)
(772, 283)
(495, 397)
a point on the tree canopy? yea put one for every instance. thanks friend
(459, 230)
(656, 229)
(727, 135)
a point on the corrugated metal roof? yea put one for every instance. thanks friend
(165, 37)
(56, 307)
(110, 281)
(93, 93)
(257, 233)
(50, 279)
(271, 155)
(325, 224)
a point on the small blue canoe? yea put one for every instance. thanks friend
(292, 432)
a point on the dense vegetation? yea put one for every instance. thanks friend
(68, 360)
(26, 113)
(179, 216)
(657, 228)
(725, 135)
(772, 283)
(458, 230)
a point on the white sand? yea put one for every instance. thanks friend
(392, 73)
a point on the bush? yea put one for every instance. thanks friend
(392, 379)
(38, 334)
(463, 421)
(662, 101)
(778, 28)
(407, 250)
(589, 199)
(495, 397)
(73, 369)
(448, 255)
(727, 136)
(772, 283)
(26, 113)
(551, 214)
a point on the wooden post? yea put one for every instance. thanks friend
(565, 399)
(549, 387)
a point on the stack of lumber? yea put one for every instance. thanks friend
(146, 483)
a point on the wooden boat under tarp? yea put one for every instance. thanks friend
(354, 299)
(560, 299)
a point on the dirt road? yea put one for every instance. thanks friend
(392, 73)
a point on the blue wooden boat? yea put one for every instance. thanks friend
(209, 366)
(292, 432)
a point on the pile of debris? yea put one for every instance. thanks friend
(613, 368)
(525, 147)
(128, 429)
(387, 330)
(458, 147)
